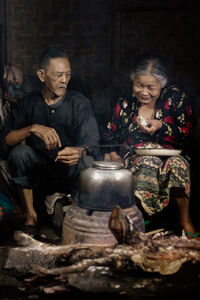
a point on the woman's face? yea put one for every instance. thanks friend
(146, 88)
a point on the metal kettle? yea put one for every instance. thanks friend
(105, 185)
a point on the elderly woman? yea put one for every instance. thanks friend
(154, 115)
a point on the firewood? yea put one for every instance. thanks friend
(164, 255)
(31, 253)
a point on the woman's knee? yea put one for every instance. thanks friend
(178, 161)
(151, 160)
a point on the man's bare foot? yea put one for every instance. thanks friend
(31, 218)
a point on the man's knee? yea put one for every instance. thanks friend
(22, 155)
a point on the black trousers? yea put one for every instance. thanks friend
(31, 170)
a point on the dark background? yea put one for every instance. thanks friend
(103, 37)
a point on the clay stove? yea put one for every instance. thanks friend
(102, 186)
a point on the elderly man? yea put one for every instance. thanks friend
(55, 124)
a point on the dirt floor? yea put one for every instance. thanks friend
(99, 282)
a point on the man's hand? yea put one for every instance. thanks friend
(47, 134)
(69, 155)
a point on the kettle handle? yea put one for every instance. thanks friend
(82, 156)
(131, 150)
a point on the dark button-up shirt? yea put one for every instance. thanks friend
(72, 118)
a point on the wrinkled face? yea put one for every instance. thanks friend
(146, 88)
(56, 76)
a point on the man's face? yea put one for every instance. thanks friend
(57, 75)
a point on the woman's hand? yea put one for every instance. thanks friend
(153, 126)
(113, 156)
(47, 134)
(69, 155)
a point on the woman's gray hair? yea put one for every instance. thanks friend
(151, 64)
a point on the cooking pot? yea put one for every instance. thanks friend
(105, 185)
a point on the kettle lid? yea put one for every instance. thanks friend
(111, 165)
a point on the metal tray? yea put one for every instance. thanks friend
(158, 151)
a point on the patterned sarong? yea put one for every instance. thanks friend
(154, 176)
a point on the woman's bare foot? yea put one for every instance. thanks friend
(182, 202)
(189, 229)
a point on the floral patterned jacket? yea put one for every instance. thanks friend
(173, 109)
